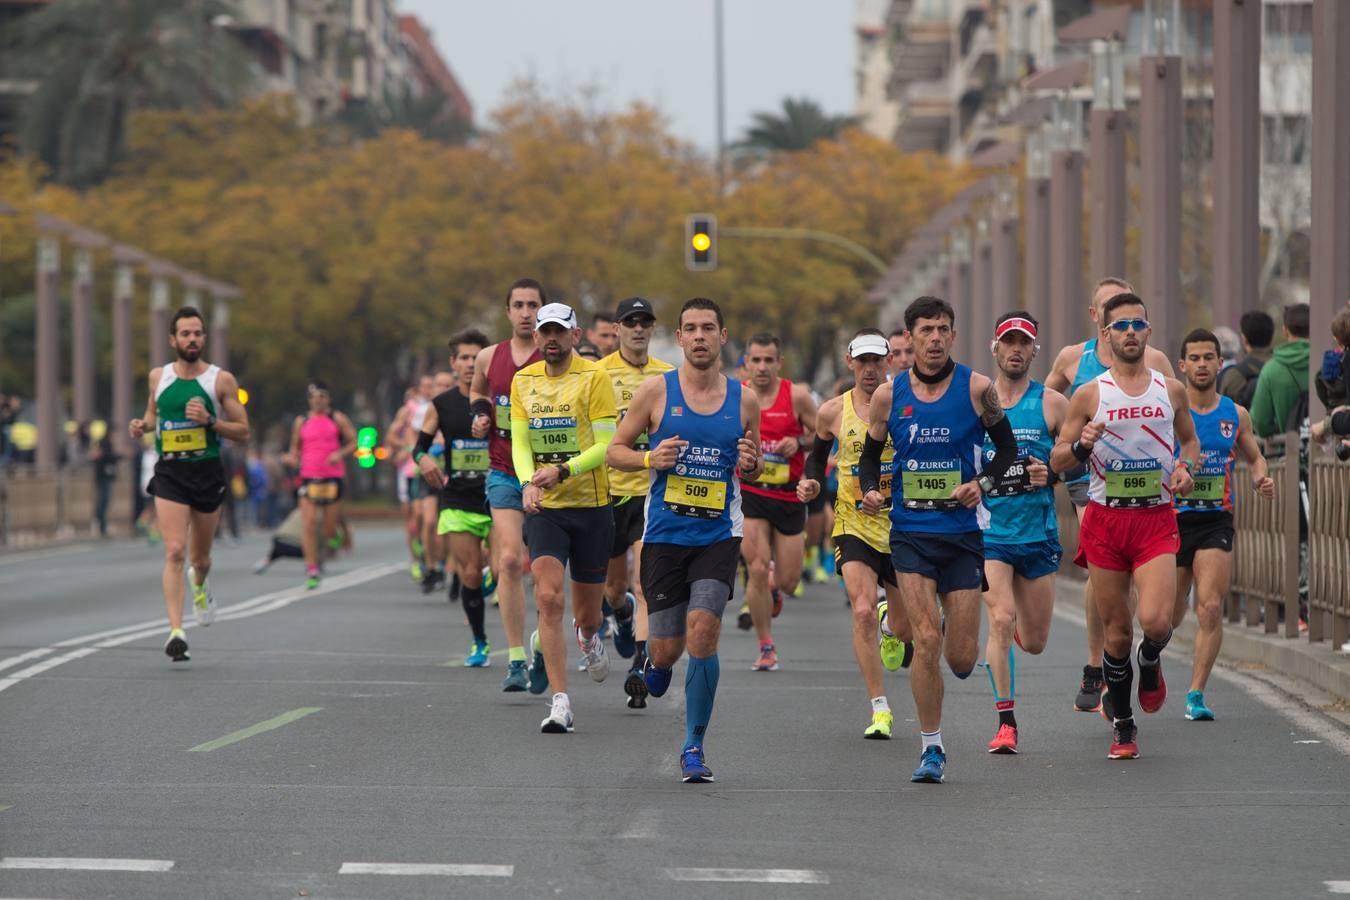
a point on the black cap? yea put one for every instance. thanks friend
(634, 306)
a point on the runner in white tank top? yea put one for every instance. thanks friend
(1123, 423)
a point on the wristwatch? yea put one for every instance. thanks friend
(563, 472)
(210, 421)
(985, 483)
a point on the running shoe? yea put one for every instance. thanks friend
(1123, 744)
(429, 581)
(768, 659)
(894, 652)
(932, 766)
(1089, 697)
(538, 673)
(1196, 710)
(656, 680)
(1108, 707)
(693, 769)
(777, 597)
(478, 655)
(311, 579)
(799, 589)
(743, 619)
(635, 686)
(559, 720)
(262, 565)
(880, 729)
(176, 646)
(203, 604)
(517, 677)
(489, 585)
(625, 638)
(593, 651)
(415, 570)
(1152, 687)
(1005, 741)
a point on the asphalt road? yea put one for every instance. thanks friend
(320, 745)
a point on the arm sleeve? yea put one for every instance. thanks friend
(594, 455)
(521, 457)
(1005, 448)
(1340, 423)
(820, 456)
(869, 464)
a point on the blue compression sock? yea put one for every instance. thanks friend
(700, 689)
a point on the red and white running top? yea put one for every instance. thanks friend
(1132, 464)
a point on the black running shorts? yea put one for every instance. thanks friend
(1203, 531)
(788, 517)
(200, 485)
(629, 519)
(669, 569)
(579, 538)
(851, 548)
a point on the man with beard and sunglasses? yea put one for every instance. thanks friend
(1205, 515)
(192, 406)
(1021, 534)
(861, 540)
(1124, 424)
(562, 419)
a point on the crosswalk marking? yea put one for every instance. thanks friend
(87, 864)
(763, 876)
(453, 869)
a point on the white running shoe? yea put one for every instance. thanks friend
(596, 660)
(203, 604)
(559, 719)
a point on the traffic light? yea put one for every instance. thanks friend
(366, 451)
(700, 242)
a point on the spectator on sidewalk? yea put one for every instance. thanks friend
(1238, 381)
(105, 459)
(1281, 400)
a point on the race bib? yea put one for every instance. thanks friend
(321, 491)
(1206, 494)
(928, 485)
(776, 471)
(887, 477)
(697, 498)
(1133, 483)
(182, 438)
(468, 458)
(554, 439)
(1014, 482)
(504, 415)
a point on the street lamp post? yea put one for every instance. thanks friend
(1160, 146)
(1066, 220)
(1106, 159)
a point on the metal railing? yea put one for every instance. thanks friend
(1329, 549)
(1266, 548)
(44, 503)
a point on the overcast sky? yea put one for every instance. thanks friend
(658, 51)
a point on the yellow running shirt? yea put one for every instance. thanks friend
(626, 377)
(559, 413)
(848, 515)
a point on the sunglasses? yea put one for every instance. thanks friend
(1124, 325)
(633, 321)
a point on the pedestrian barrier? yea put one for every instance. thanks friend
(1266, 548)
(1329, 549)
(42, 503)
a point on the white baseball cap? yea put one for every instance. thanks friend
(559, 313)
(868, 344)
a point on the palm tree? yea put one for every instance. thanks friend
(95, 61)
(800, 125)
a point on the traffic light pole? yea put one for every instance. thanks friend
(809, 234)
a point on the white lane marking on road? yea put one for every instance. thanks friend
(1337, 887)
(86, 864)
(452, 869)
(761, 876)
(12, 661)
(252, 607)
(1262, 693)
(642, 826)
(13, 558)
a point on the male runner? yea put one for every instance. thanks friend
(937, 418)
(428, 503)
(1205, 515)
(1123, 424)
(862, 540)
(627, 368)
(562, 419)
(189, 480)
(774, 517)
(1021, 537)
(320, 444)
(901, 355)
(603, 334)
(704, 428)
(463, 504)
(402, 435)
(490, 401)
(1075, 366)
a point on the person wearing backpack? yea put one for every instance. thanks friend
(1282, 385)
(1238, 381)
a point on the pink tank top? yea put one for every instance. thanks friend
(320, 437)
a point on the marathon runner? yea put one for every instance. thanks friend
(862, 540)
(192, 406)
(1123, 423)
(402, 435)
(628, 367)
(435, 544)
(459, 482)
(562, 419)
(901, 355)
(490, 402)
(774, 517)
(321, 442)
(1075, 366)
(704, 428)
(936, 418)
(1021, 536)
(1205, 515)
